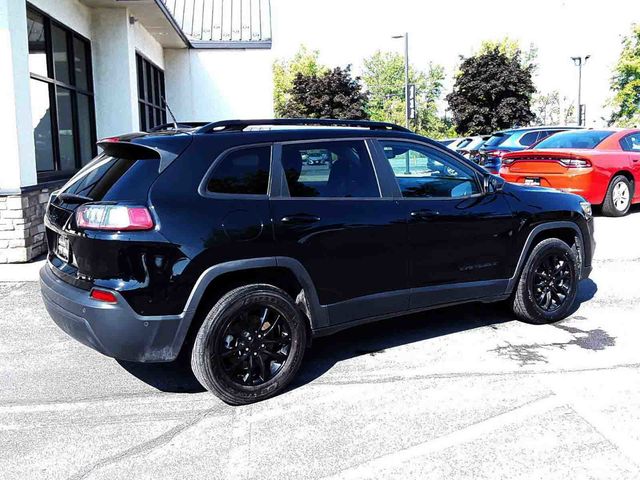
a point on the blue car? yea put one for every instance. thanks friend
(490, 153)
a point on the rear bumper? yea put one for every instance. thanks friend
(114, 330)
(578, 182)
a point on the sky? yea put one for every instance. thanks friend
(347, 31)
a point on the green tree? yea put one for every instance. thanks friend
(492, 91)
(511, 48)
(552, 109)
(625, 83)
(304, 62)
(331, 94)
(383, 75)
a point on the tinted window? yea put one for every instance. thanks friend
(243, 171)
(66, 141)
(575, 139)
(496, 139)
(425, 172)
(329, 169)
(631, 142)
(529, 139)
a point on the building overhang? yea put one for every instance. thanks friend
(153, 16)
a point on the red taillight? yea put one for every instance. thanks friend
(574, 162)
(103, 296)
(109, 139)
(496, 153)
(508, 161)
(113, 217)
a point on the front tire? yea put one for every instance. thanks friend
(548, 284)
(617, 201)
(250, 345)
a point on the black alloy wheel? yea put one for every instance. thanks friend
(552, 281)
(548, 286)
(250, 345)
(254, 345)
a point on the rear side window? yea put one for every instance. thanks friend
(529, 138)
(631, 143)
(243, 172)
(575, 139)
(329, 169)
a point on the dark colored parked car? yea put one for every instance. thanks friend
(490, 154)
(220, 243)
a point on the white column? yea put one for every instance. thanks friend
(114, 72)
(18, 161)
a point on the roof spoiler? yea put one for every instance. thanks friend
(127, 150)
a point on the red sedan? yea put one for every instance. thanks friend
(603, 166)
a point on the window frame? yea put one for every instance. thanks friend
(280, 187)
(159, 88)
(44, 176)
(477, 175)
(203, 191)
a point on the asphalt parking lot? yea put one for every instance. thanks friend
(464, 392)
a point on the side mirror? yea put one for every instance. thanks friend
(493, 183)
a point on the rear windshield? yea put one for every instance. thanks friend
(496, 139)
(574, 139)
(108, 178)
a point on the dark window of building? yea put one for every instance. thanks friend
(150, 94)
(244, 172)
(62, 108)
(329, 169)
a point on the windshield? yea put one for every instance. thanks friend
(496, 139)
(574, 139)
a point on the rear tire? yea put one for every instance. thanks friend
(617, 201)
(250, 345)
(548, 284)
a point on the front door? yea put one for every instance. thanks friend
(333, 219)
(459, 237)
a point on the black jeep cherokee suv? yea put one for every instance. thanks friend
(220, 242)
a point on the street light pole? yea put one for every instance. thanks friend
(406, 78)
(407, 120)
(578, 62)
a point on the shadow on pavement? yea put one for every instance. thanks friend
(175, 377)
(367, 339)
(376, 337)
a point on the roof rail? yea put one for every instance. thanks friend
(239, 125)
(180, 125)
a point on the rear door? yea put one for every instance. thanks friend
(631, 144)
(345, 230)
(459, 238)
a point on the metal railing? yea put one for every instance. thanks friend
(223, 23)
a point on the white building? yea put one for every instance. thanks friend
(78, 70)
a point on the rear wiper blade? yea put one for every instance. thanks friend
(74, 198)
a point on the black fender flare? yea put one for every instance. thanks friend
(528, 244)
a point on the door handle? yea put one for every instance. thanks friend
(301, 219)
(424, 214)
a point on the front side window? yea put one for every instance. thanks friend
(243, 172)
(61, 89)
(631, 143)
(150, 94)
(331, 169)
(427, 173)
